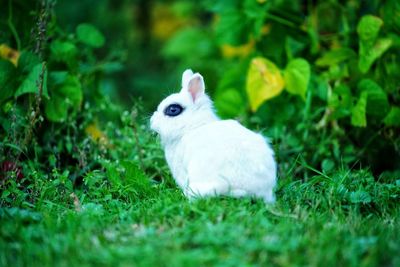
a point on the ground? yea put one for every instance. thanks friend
(323, 221)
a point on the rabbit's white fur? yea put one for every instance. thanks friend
(208, 156)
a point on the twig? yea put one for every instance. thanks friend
(279, 214)
(282, 21)
(41, 29)
(35, 115)
(77, 203)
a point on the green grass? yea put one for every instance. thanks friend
(345, 219)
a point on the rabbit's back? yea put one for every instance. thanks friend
(226, 154)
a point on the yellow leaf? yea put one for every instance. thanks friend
(264, 81)
(229, 51)
(165, 22)
(9, 54)
(266, 29)
(96, 134)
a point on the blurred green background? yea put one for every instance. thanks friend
(156, 40)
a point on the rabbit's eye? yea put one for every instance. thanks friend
(173, 110)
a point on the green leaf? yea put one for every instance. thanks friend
(297, 76)
(58, 77)
(30, 84)
(66, 94)
(6, 68)
(340, 102)
(359, 117)
(377, 101)
(229, 103)
(320, 87)
(370, 49)
(27, 61)
(71, 90)
(133, 173)
(135, 178)
(90, 35)
(368, 28)
(255, 12)
(370, 53)
(112, 173)
(373, 101)
(64, 51)
(336, 56)
(187, 42)
(56, 109)
(264, 81)
(7, 79)
(232, 28)
(393, 117)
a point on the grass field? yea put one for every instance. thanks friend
(347, 219)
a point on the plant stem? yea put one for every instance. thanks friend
(281, 20)
(12, 27)
(36, 113)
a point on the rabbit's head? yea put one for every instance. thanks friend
(183, 111)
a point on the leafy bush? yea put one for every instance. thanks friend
(52, 95)
(322, 78)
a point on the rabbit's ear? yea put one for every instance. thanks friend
(187, 74)
(196, 86)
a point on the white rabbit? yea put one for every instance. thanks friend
(209, 156)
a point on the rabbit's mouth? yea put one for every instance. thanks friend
(153, 124)
(156, 123)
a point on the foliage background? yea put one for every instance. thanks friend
(79, 80)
